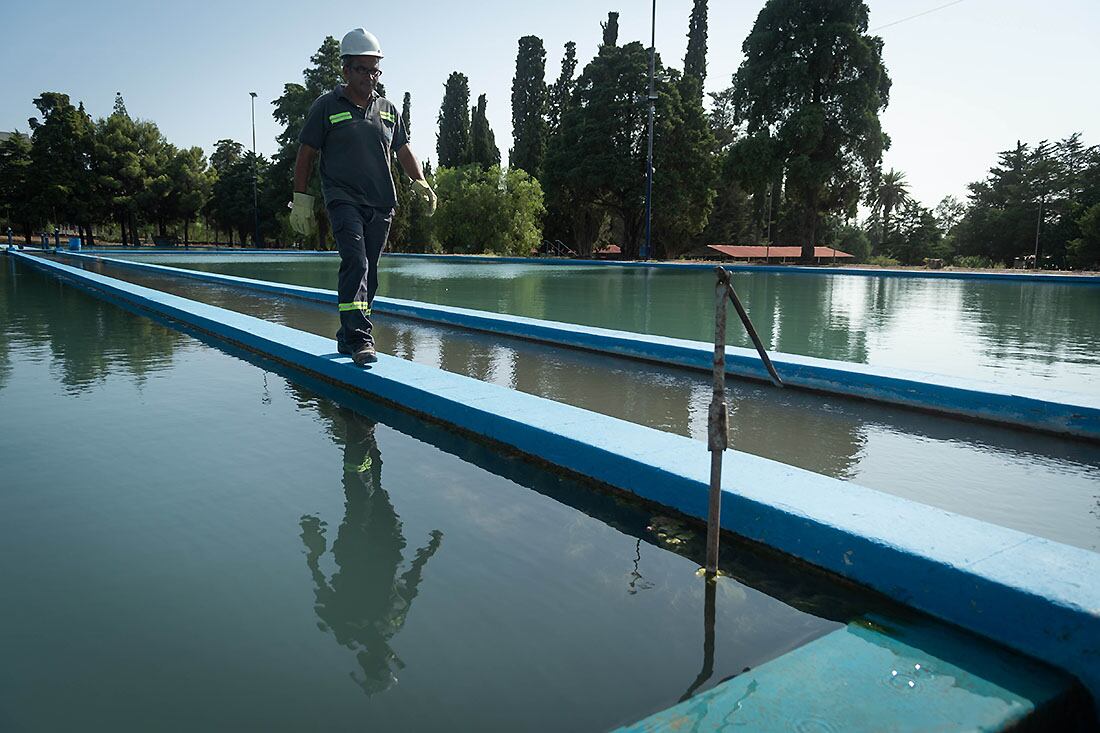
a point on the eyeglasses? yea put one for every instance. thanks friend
(373, 72)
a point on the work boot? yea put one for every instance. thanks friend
(343, 348)
(364, 355)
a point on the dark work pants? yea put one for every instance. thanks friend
(360, 233)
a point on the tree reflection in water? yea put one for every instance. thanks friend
(365, 601)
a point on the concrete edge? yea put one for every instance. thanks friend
(1032, 595)
(1053, 411)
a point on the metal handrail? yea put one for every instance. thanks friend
(718, 414)
(724, 279)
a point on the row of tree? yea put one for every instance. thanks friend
(790, 153)
(1039, 204)
(584, 140)
(79, 173)
(1042, 200)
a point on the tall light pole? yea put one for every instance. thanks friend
(255, 198)
(649, 158)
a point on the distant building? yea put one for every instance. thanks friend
(764, 253)
(4, 136)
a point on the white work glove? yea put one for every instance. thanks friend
(426, 190)
(302, 219)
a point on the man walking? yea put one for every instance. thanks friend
(354, 130)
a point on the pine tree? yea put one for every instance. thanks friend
(128, 157)
(529, 107)
(453, 140)
(120, 106)
(62, 148)
(813, 83)
(483, 146)
(18, 207)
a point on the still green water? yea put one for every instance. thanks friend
(189, 541)
(1040, 484)
(1019, 333)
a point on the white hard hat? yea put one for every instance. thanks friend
(360, 43)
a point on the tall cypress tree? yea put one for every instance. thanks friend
(483, 145)
(562, 90)
(404, 212)
(453, 140)
(610, 30)
(529, 107)
(695, 60)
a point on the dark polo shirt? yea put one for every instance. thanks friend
(355, 145)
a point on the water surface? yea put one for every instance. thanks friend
(189, 541)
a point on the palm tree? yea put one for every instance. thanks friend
(891, 192)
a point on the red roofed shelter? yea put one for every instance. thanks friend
(764, 253)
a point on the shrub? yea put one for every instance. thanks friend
(974, 262)
(882, 261)
(487, 211)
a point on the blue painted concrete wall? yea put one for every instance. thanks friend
(872, 677)
(1025, 276)
(1033, 595)
(181, 250)
(1048, 410)
(789, 269)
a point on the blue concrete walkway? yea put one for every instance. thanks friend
(1053, 411)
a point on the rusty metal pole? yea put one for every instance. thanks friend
(717, 423)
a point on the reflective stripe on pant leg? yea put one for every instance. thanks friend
(356, 305)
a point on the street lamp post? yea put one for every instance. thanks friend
(649, 158)
(255, 199)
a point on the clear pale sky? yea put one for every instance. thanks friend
(968, 80)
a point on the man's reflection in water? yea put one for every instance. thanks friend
(365, 601)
